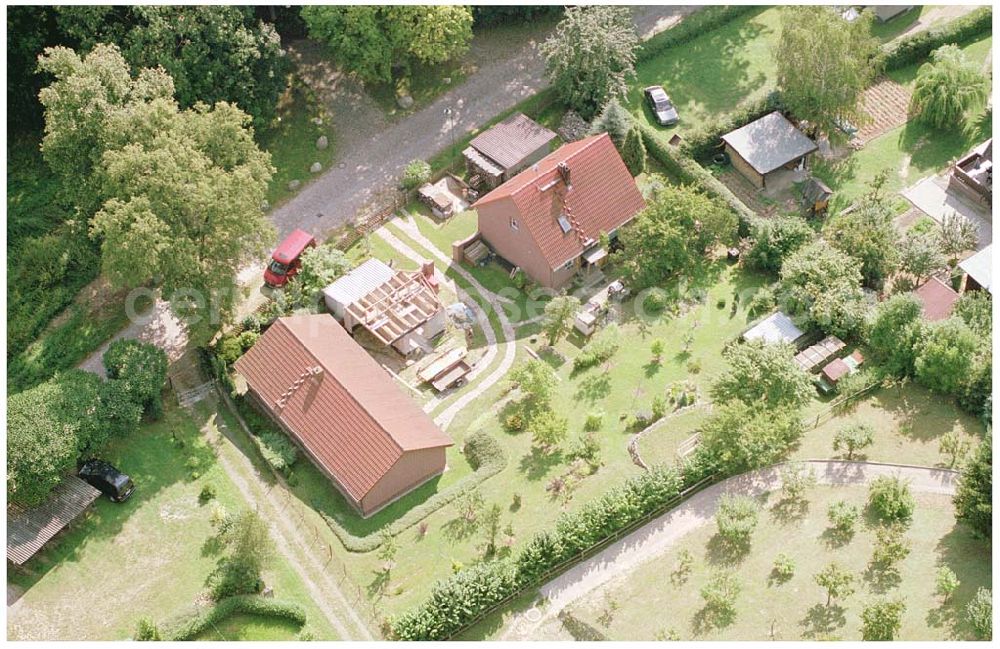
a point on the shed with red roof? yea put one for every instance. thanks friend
(343, 410)
(548, 219)
(938, 299)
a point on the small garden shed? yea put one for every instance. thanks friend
(499, 153)
(765, 146)
(28, 529)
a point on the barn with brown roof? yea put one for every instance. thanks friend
(548, 219)
(343, 410)
(498, 153)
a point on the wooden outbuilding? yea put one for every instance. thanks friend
(765, 146)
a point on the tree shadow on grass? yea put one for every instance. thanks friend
(822, 621)
(459, 529)
(881, 579)
(789, 510)
(709, 618)
(378, 585)
(580, 630)
(721, 552)
(652, 368)
(594, 388)
(834, 538)
(536, 464)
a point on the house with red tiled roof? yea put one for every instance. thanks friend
(937, 298)
(343, 410)
(548, 219)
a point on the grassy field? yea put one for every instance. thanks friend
(248, 627)
(796, 609)
(149, 556)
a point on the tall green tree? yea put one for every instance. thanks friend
(591, 56)
(634, 151)
(920, 254)
(882, 619)
(671, 234)
(381, 43)
(740, 437)
(868, 234)
(559, 314)
(947, 356)
(824, 64)
(957, 234)
(774, 239)
(974, 498)
(213, 53)
(762, 374)
(613, 120)
(896, 333)
(821, 281)
(949, 89)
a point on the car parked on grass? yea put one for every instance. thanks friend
(662, 107)
(107, 479)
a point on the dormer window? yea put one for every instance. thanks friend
(513, 223)
(564, 223)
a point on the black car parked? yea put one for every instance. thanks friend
(107, 479)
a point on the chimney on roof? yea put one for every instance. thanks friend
(427, 268)
(564, 172)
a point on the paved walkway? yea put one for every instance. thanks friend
(932, 196)
(372, 151)
(660, 535)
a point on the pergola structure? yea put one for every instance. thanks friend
(397, 307)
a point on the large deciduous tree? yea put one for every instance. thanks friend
(177, 194)
(762, 374)
(947, 356)
(776, 238)
(825, 283)
(824, 65)
(974, 498)
(895, 334)
(949, 89)
(740, 437)
(591, 56)
(671, 234)
(380, 43)
(868, 234)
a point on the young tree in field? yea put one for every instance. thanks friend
(490, 529)
(796, 480)
(868, 234)
(843, 517)
(836, 581)
(559, 314)
(613, 120)
(320, 267)
(657, 350)
(470, 506)
(979, 613)
(213, 53)
(896, 332)
(737, 518)
(250, 550)
(949, 89)
(634, 152)
(882, 619)
(548, 430)
(957, 234)
(955, 446)
(891, 547)
(765, 374)
(535, 380)
(824, 65)
(853, 437)
(381, 43)
(591, 55)
(387, 550)
(739, 438)
(974, 498)
(920, 255)
(946, 583)
(719, 594)
(947, 356)
(889, 498)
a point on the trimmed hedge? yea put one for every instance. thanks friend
(918, 47)
(485, 455)
(245, 604)
(461, 599)
(703, 143)
(689, 28)
(274, 446)
(689, 171)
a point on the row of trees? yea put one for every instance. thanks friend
(73, 415)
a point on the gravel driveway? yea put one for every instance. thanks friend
(372, 151)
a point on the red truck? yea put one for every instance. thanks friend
(286, 258)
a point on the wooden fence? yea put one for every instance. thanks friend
(831, 410)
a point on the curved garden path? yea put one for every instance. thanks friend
(661, 534)
(445, 417)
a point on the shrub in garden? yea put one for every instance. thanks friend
(979, 613)
(513, 422)
(654, 302)
(882, 620)
(796, 479)
(603, 346)
(946, 582)
(783, 568)
(853, 437)
(776, 238)
(229, 348)
(890, 499)
(588, 449)
(481, 450)
(548, 430)
(974, 498)
(737, 518)
(417, 172)
(249, 547)
(593, 421)
(763, 301)
(207, 493)
(843, 517)
(146, 629)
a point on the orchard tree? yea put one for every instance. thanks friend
(891, 547)
(249, 551)
(796, 480)
(824, 65)
(381, 43)
(896, 333)
(920, 254)
(853, 437)
(843, 517)
(955, 446)
(671, 234)
(736, 518)
(836, 581)
(947, 356)
(974, 498)
(591, 56)
(737, 437)
(889, 498)
(559, 314)
(762, 374)
(882, 619)
(720, 593)
(868, 234)
(957, 234)
(949, 89)
(491, 529)
(776, 238)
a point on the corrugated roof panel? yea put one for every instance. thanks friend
(776, 328)
(980, 267)
(512, 140)
(29, 529)
(359, 282)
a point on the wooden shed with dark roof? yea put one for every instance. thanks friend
(500, 152)
(344, 410)
(766, 145)
(30, 528)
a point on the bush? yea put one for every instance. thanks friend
(588, 449)
(593, 421)
(604, 345)
(234, 578)
(776, 238)
(513, 422)
(979, 613)
(481, 450)
(890, 499)
(207, 493)
(655, 301)
(272, 443)
(417, 172)
(229, 348)
(763, 301)
(843, 517)
(917, 47)
(737, 518)
(246, 605)
(146, 629)
(783, 568)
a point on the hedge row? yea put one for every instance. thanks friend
(918, 47)
(274, 445)
(460, 600)
(486, 456)
(691, 27)
(703, 143)
(689, 171)
(245, 604)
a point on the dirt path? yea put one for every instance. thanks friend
(661, 534)
(445, 417)
(372, 150)
(157, 325)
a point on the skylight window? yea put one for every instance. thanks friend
(564, 223)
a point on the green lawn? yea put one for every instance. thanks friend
(796, 609)
(249, 627)
(150, 556)
(711, 74)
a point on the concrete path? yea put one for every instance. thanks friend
(661, 534)
(372, 150)
(932, 196)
